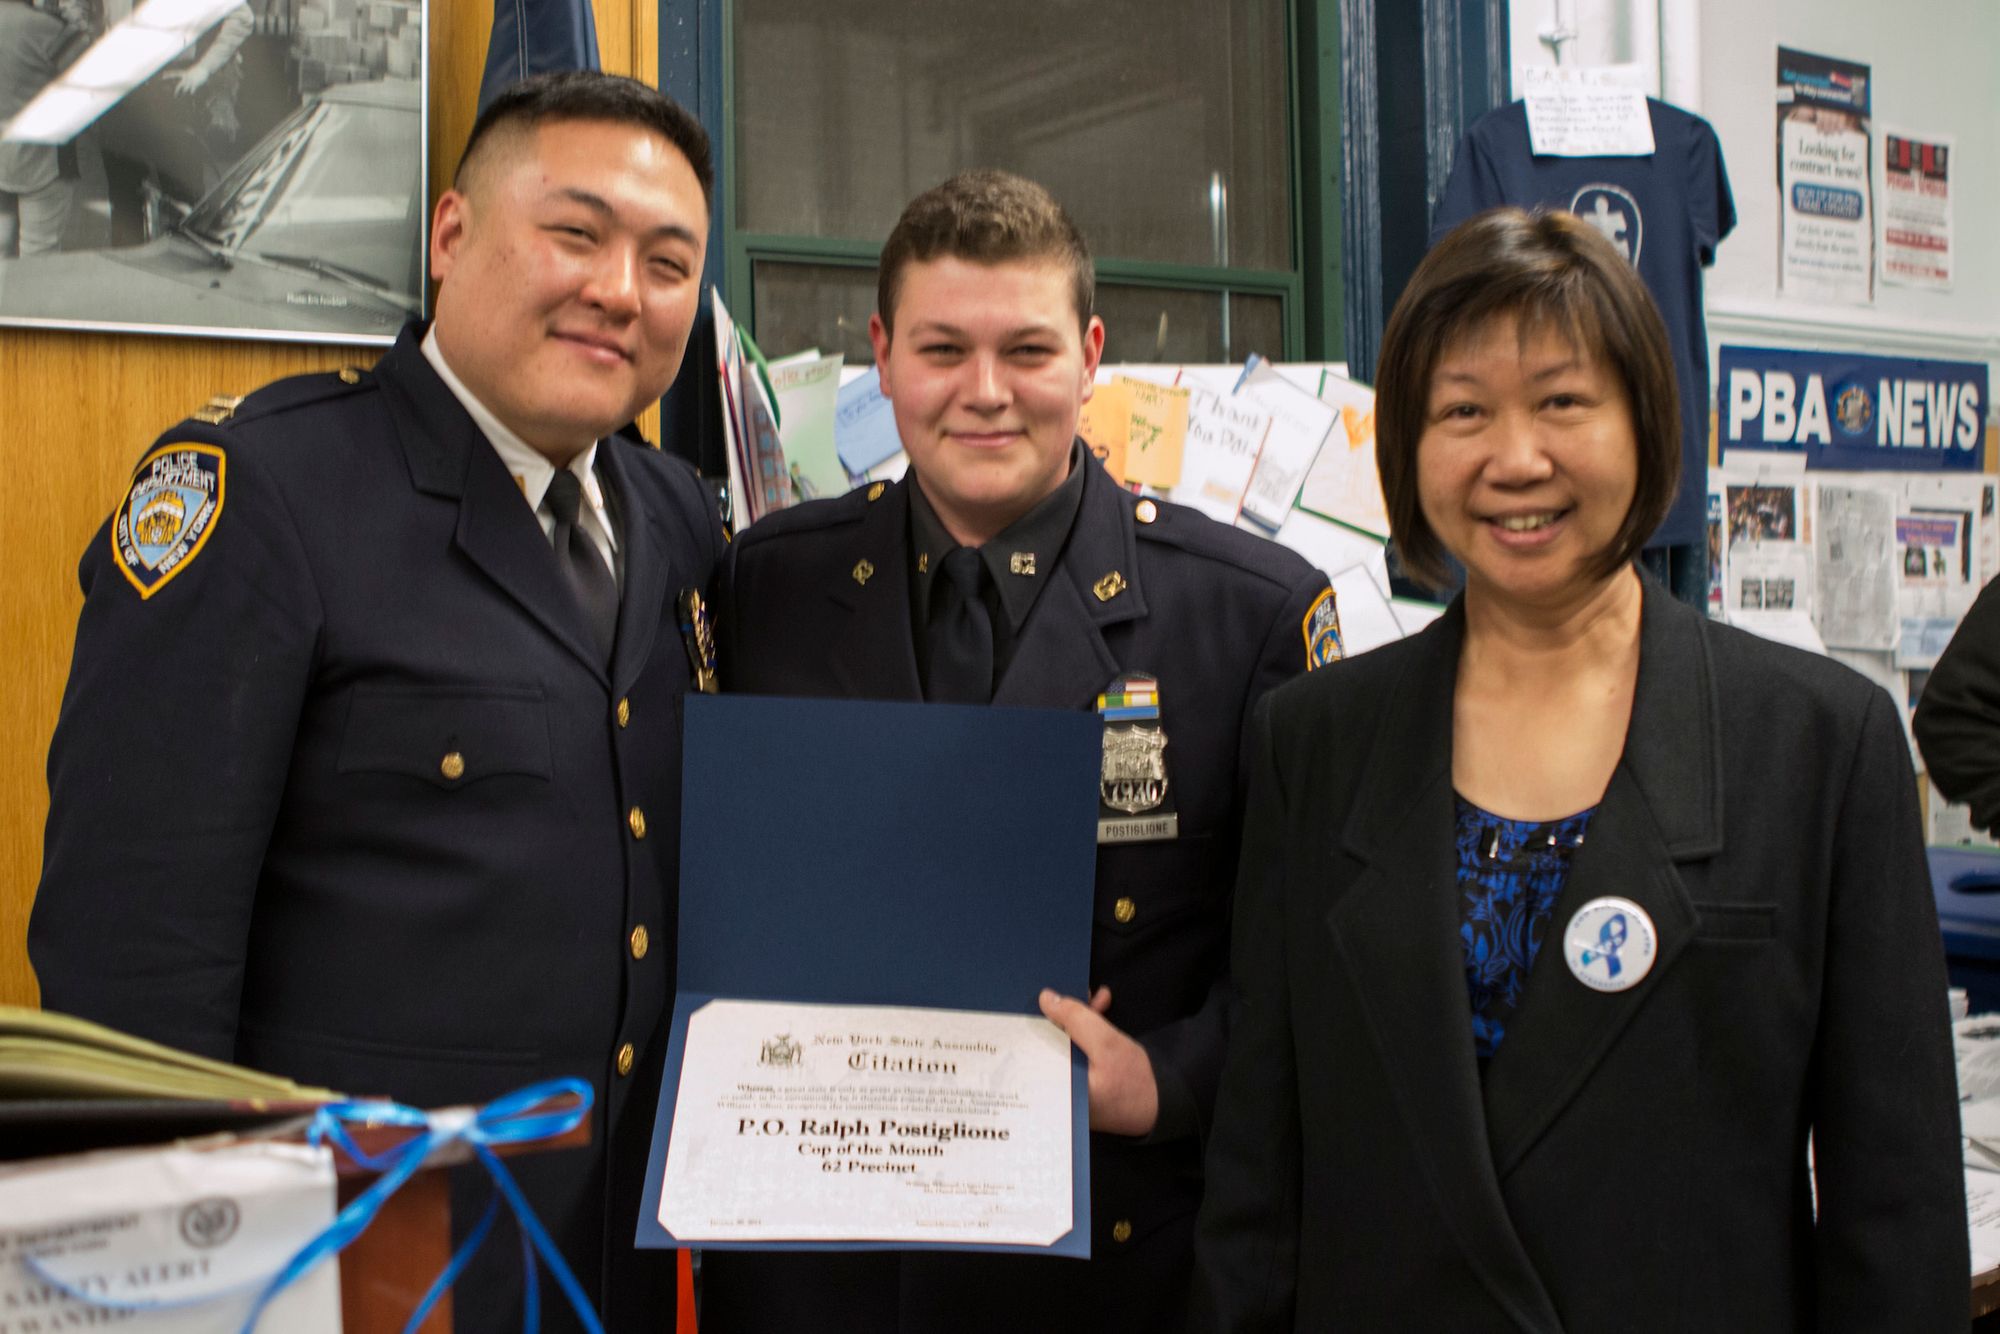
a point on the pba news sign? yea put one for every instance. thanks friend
(1852, 412)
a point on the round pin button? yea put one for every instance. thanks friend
(1145, 511)
(1610, 944)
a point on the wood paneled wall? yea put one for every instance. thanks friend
(76, 411)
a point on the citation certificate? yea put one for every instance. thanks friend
(797, 1122)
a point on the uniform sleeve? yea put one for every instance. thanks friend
(1187, 1055)
(1958, 718)
(1711, 208)
(1890, 1246)
(166, 771)
(1246, 1237)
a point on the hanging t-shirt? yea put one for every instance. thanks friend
(1667, 211)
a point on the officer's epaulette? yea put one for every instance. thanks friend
(295, 391)
(814, 515)
(1198, 535)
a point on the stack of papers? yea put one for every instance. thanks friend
(44, 1055)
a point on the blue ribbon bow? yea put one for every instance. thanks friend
(516, 1118)
(513, 1119)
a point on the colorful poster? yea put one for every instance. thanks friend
(1158, 431)
(1106, 426)
(807, 388)
(1225, 435)
(1847, 411)
(1916, 211)
(1826, 224)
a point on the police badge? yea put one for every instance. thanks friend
(167, 515)
(698, 633)
(1132, 787)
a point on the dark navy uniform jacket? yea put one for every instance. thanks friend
(349, 796)
(1218, 617)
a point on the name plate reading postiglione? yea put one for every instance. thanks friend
(798, 1122)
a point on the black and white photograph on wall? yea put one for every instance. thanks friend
(228, 168)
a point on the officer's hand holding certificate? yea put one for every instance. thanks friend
(834, 1122)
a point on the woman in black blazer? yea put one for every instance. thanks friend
(1568, 925)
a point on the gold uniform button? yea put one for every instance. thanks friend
(349, 375)
(1146, 511)
(452, 766)
(625, 1058)
(635, 819)
(624, 713)
(1121, 1231)
(1124, 910)
(641, 941)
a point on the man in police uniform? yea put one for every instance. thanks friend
(1009, 568)
(368, 768)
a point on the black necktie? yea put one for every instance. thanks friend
(960, 634)
(580, 564)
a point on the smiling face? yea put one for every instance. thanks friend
(1527, 464)
(569, 270)
(987, 368)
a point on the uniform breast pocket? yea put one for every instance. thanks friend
(447, 736)
(1143, 887)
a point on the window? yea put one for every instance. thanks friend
(1163, 125)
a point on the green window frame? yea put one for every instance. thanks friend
(1310, 292)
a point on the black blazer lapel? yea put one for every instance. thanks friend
(648, 570)
(1061, 660)
(870, 650)
(449, 457)
(1395, 934)
(1663, 805)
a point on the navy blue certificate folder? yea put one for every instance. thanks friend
(854, 853)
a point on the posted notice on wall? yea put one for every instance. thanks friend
(1825, 183)
(1916, 210)
(1587, 111)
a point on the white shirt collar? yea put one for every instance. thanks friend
(531, 470)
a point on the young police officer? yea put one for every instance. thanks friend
(1009, 567)
(368, 770)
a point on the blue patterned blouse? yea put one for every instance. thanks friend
(1510, 874)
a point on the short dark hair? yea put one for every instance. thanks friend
(1548, 271)
(569, 95)
(987, 217)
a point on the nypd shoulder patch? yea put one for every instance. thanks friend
(166, 517)
(1321, 628)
